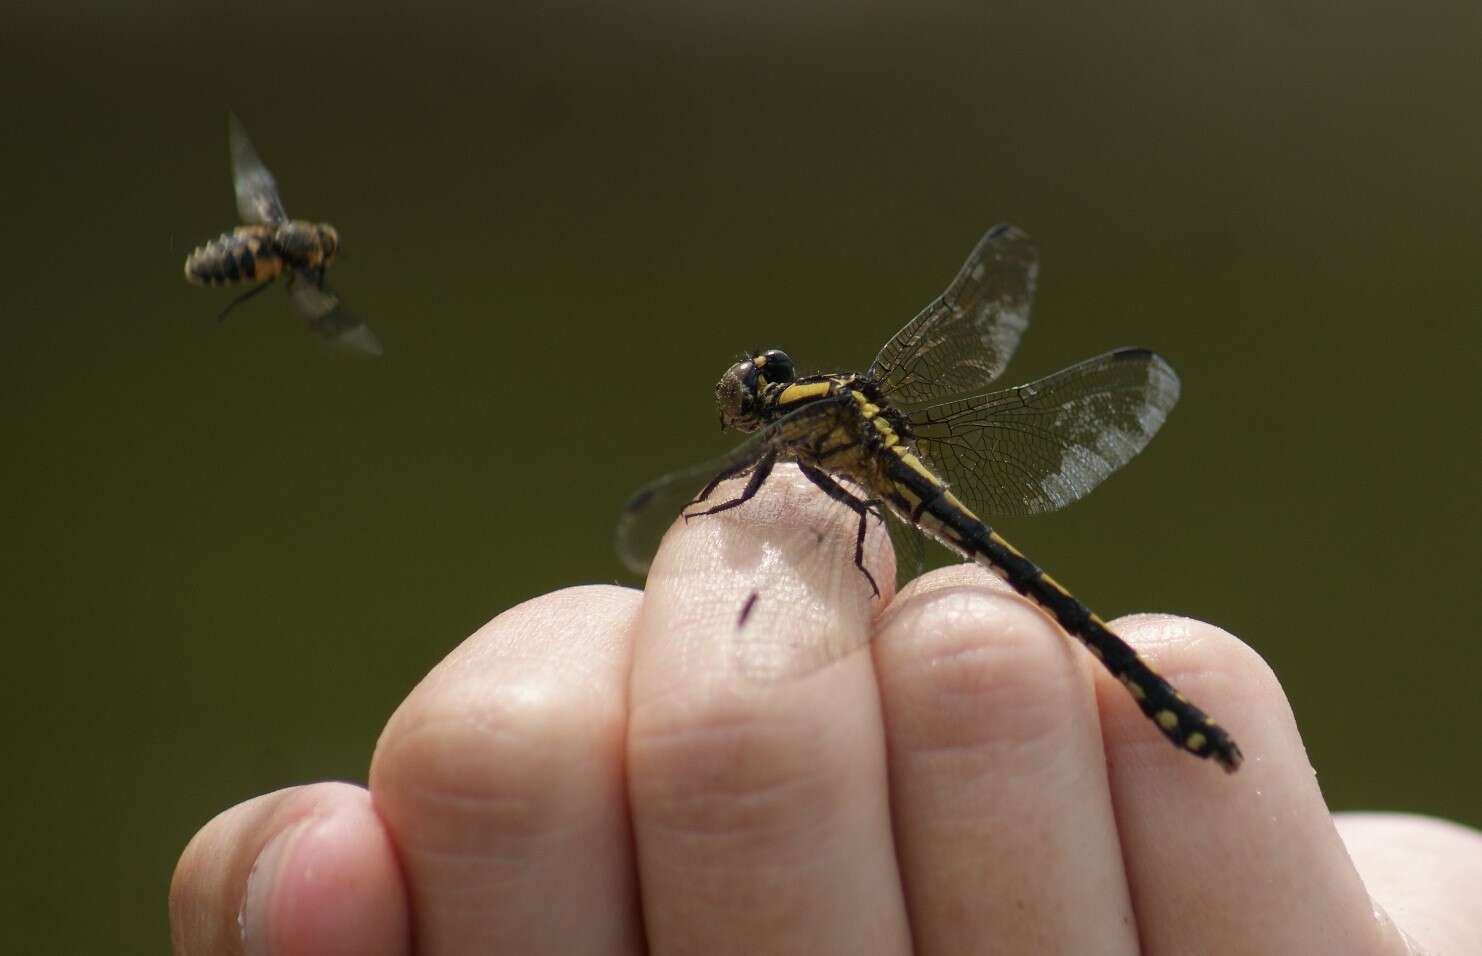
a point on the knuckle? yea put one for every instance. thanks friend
(505, 738)
(718, 767)
(495, 762)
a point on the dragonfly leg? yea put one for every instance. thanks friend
(763, 468)
(860, 506)
(728, 473)
(241, 298)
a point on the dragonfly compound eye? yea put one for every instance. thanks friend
(735, 396)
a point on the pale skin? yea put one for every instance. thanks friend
(594, 772)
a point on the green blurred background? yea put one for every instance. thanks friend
(229, 555)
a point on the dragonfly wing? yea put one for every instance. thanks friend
(965, 338)
(648, 515)
(910, 548)
(257, 192)
(1038, 447)
(326, 314)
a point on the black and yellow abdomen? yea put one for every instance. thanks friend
(246, 254)
(258, 253)
(917, 496)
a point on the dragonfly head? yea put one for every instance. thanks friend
(738, 392)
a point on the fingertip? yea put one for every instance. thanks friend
(1264, 829)
(500, 779)
(337, 889)
(254, 878)
(772, 584)
(789, 529)
(963, 664)
(1221, 674)
(964, 574)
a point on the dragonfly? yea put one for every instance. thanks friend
(919, 437)
(270, 246)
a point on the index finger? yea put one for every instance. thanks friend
(759, 796)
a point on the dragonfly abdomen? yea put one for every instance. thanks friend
(1188, 727)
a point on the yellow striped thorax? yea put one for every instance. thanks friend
(854, 425)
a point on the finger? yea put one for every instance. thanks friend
(501, 781)
(759, 801)
(1003, 816)
(1424, 873)
(303, 871)
(1228, 863)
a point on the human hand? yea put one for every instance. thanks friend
(603, 771)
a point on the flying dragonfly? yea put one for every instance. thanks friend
(271, 246)
(917, 437)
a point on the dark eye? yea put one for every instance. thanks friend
(777, 366)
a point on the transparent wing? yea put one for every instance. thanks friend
(964, 340)
(257, 193)
(910, 548)
(326, 314)
(1038, 447)
(649, 513)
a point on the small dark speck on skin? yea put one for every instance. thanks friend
(746, 610)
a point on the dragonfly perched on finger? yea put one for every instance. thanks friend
(916, 436)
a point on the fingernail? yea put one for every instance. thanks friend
(252, 919)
